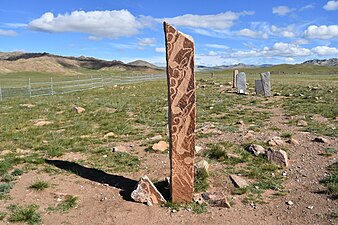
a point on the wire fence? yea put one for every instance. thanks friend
(36, 89)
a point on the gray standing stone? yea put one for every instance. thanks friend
(259, 87)
(241, 83)
(265, 77)
(234, 77)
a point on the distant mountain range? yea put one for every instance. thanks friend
(45, 62)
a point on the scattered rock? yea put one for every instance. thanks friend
(240, 122)
(289, 202)
(198, 198)
(42, 123)
(110, 134)
(22, 151)
(278, 157)
(202, 165)
(238, 181)
(198, 149)
(322, 140)
(249, 135)
(146, 192)
(216, 199)
(302, 123)
(79, 109)
(293, 141)
(156, 138)
(160, 146)
(310, 207)
(255, 149)
(5, 152)
(27, 105)
(120, 148)
(276, 141)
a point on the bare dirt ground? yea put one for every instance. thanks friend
(104, 198)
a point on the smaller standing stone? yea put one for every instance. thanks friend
(234, 78)
(241, 83)
(259, 87)
(265, 77)
(146, 192)
(278, 157)
(322, 140)
(238, 181)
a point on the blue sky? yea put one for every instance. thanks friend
(225, 32)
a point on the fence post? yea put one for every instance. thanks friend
(0, 94)
(29, 87)
(51, 86)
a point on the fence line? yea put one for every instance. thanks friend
(36, 89)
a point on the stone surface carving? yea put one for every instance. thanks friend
(182, 112)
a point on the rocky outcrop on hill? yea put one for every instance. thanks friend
(323, 62)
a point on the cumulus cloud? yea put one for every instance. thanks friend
(321, 32)
(289, 31)
(331, 5)
(281, 10)
(160, 50)
(94, 38)
(147, 42)
(111, 24)
(217, 46)
(252, 34)
(212, 53)
(219, 21)
(325, 50)
(7, 33)
(310, 6)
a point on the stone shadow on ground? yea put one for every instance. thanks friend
(125, 184)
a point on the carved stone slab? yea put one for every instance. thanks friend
(182, 112)
(259, 87)
(234, 74)
(241, 83)
(265, 77)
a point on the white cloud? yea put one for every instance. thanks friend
(94, 38)
(331, 5)
(212, 53)
(219, 21)
(310, 6)
(287, 50)
(325, 50)
(7, 33)
(147, 42)
(217, 46)
(301, 42)
(160, 50)
(281, 10)
(321, 32)
(110, 24)
(289, 60)
(252, 34)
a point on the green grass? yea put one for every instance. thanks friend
(2, 215)
(63, 207)
(39, 185)
(4, 190)
(27, 213)
(331, 182)
(201, 180)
